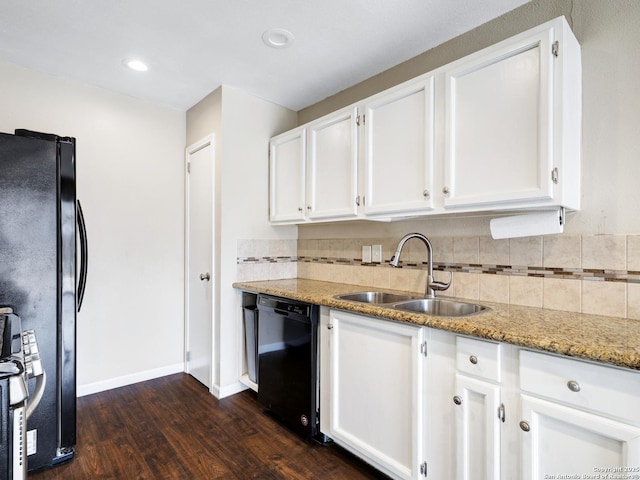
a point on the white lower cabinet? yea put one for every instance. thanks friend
(561, 440)
(579, 420)
(472, 409)
(372, 390)
(479, 412)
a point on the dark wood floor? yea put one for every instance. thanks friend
(172, 428)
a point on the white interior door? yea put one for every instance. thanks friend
(199, 264)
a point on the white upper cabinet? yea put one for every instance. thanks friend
(314, 170)
(513, 123)
(332, 166)
(399, 149)
(499, 129)
(287, 177)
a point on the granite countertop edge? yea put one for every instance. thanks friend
(611, 340)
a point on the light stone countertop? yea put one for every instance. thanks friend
(604, 339)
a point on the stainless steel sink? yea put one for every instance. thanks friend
(441, 308)
(378, 298)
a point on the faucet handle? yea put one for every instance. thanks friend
(440, 286)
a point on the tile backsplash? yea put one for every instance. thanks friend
(598, 274)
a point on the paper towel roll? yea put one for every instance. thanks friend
(528, 224)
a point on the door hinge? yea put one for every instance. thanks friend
(555, 48)
(423, 469)
(554, 175)
(423, 348)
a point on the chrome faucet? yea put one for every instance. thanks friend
(432, 285)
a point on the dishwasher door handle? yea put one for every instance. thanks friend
(281, 312)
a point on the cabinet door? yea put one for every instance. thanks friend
(499, 119)
(375, 378)
(286, 176)
(565, 441)
(332, 166)
(477, 429)
(399, 149)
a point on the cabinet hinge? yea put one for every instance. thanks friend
(423, 349)
(555, 48)
(501, 412)
(188, 167)
(554, 175)
(187, 356)
(423, 469)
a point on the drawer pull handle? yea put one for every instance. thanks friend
(473, 359)
(457, 400)
(573, 386)
(524, 426)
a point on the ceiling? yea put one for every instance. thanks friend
(194, 46)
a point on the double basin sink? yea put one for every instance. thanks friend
(408, 303)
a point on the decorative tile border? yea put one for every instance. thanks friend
(590, 274)
(258, 260)
(622, 276)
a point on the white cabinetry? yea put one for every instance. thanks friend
(496, 130)
(513, 122)
(399, 149)
(479, 411)
(578, 418)
(372, 390)
(332, 166)
(314, 170)
(287, 177)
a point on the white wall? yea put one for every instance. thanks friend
(129, 170)
(242, 125)
(248, 124)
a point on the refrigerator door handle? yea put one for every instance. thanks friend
(82, 231)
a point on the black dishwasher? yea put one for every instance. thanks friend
(288, 363)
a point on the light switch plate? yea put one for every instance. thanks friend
(376, 253)
(366, 254)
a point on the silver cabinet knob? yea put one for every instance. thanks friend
(457, 400)
(445, 190)
(205, 276)
(573, 386)
(426, 194)
(524, 426)
(330, 326)
(473, 359)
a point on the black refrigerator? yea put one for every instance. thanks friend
(43, 259)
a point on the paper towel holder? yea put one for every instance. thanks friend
(529, 224)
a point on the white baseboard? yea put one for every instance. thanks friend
(104, 385)
(228, 390)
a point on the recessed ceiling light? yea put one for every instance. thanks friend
(135, 64)
(277, 38)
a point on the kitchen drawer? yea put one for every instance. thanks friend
(609, 391)
(479, 358)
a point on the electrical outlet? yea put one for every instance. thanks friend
(376, 253)
(366, 254)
